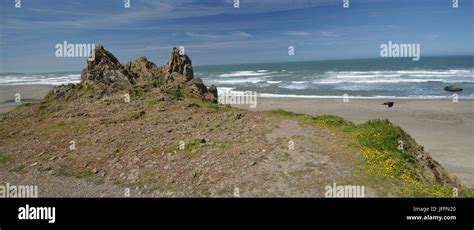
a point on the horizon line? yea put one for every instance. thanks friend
(277, 62)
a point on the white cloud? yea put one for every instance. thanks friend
(229, 36)
(328, 34)
(201, 35)
(145, 10)
(242, 34)
(298, 33)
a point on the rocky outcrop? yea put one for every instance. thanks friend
(452, 89)
(63, 91)
(105, 75)
(211, 94)
(178, 69)
(196, 88)
(106, 69)
(178, 72)
(144, 70)
(179, 63)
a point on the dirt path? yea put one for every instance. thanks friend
(300, 163)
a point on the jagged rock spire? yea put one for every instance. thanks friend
(105, 68)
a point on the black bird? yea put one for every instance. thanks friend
(389, 104)
(452, 89)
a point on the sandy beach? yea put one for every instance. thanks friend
(28, 93)
(444, 128)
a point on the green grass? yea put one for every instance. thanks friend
(82, 174)
(382, 165)
(151, 100)
(143, 89)
(62, 126)
(324, 120)
(28, 104)
(49, 95)
(191, 148)
(284, 113)
(155, 82)
(119, 181)
(56, 127)
(397, 168)
(174, 94)
(4, 159)
(136, 91)
(330, 121)
(87, 88)
(209, 105)
(223, 144)
(383, 136)
(154, 181)
(19, 169)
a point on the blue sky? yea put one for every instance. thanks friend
(213, 32)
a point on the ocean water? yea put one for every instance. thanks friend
(364, 78)
(57, 78)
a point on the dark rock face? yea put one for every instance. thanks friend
(188, 72)
(389, 104)
(106, 69)
(178, 63)
(212, 94)
(452, 88)
(143, 69)
(175, 79)
(105, 75)
(178, 73)
(196, 87)
(178, 68)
